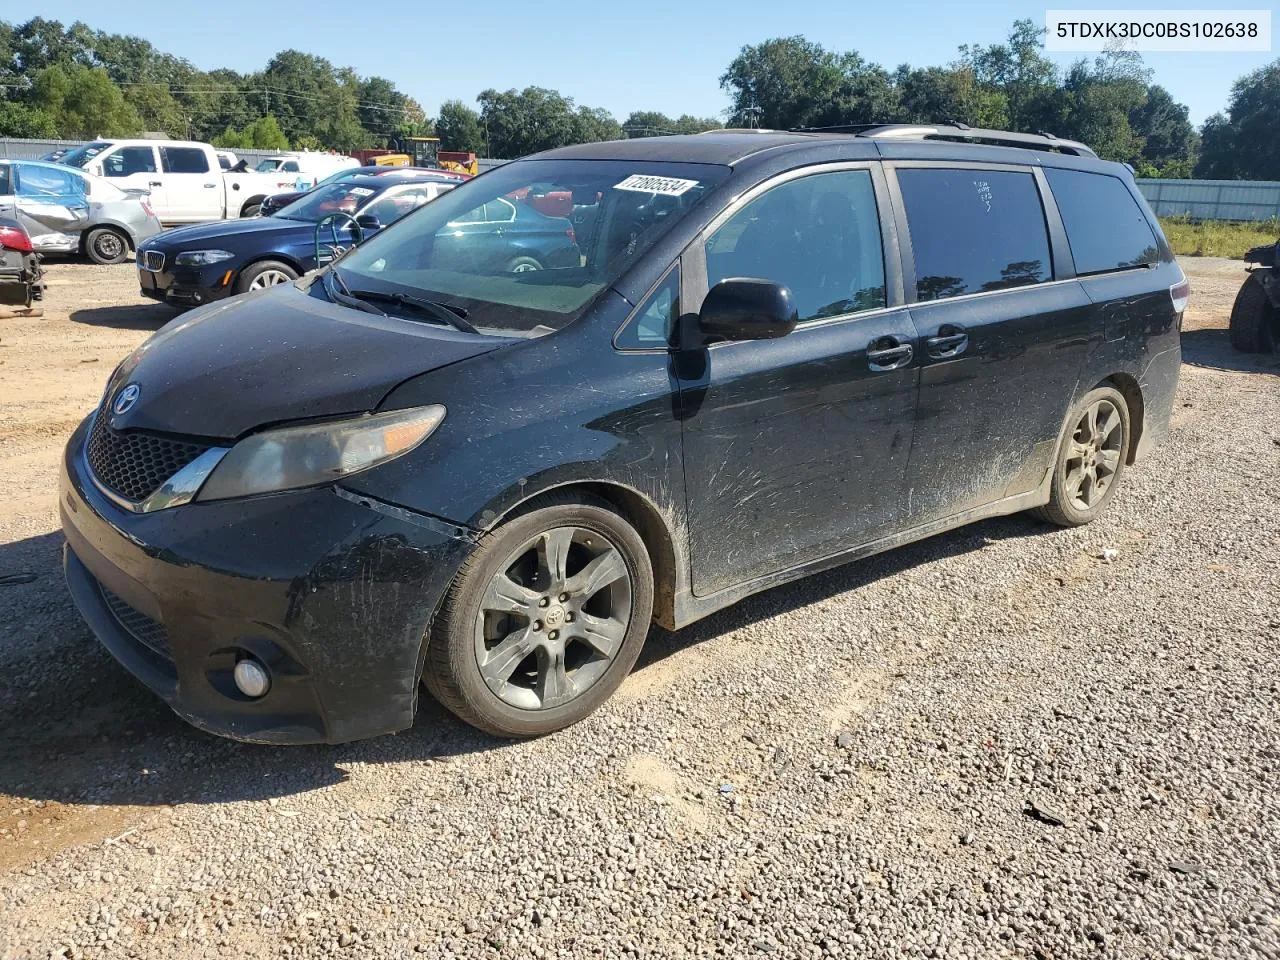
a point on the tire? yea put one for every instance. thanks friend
(521, 693)
(522, 265)
(263, 274)
(251, 210)
(106, 245)
(1074, 500)
(1251, 316)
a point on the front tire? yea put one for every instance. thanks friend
(105, 245)
(543, 621)
(263, 274)
(252, 209)
(1091, 457)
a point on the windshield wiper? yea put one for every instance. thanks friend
(453, 316)
(344, 297)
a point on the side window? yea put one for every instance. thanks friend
(289, 166)
(6, 182)
(499, 211)
(394, 204)
(38, 182)
(129, 160)
(184, 160)
(654, 323)
(974, 231)
(818, 235)
(1106, 228)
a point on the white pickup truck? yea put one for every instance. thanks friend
(184, 178)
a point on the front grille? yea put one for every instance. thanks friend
(150, 633)
(153, 260)
(135, 464)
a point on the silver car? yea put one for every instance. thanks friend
(68, 211)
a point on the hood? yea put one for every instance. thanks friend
(227, 230)
(275, 356)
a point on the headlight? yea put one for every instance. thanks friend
(201, 258)
(294, 457)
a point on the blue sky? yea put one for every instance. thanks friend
(658, 54)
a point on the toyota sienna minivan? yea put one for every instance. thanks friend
(437, 462)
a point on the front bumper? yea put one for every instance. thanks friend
(333, 592)
(187, 286)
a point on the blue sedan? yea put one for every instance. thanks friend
(209, 261)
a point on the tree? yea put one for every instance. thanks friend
(262, 134)
(1244, 143)
(1017, 69)
(652, 123)
(533, 119)
(84, 103)
(459, 128)
(940, 94)
(1167, 134)
(19, 120)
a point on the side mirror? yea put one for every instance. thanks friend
(746, 309)
(368, 222)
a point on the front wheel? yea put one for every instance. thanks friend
(267, 273)
(251, 210)
(105, 245)
(1091, 457)
(543, 621)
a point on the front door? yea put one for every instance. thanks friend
(795, 448)
(191, 188)
(135, 168)
(51, 203)
(1004, 330)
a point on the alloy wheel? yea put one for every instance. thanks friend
(1094, 456)
(269, 278)
(553, 619)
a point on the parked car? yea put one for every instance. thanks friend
(278, 201)
(507, 236)
(775, 353)
(1255, 315)
(205, 262)
(21, 279)
(65, 210)
(306, 167)
(184, 178)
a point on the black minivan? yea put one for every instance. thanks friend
(771, 353)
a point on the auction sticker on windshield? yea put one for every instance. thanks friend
(664, 186)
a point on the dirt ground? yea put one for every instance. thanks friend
(52, 372)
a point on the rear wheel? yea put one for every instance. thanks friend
(106, 245)
(522, 265)
(265, 273)
(1091, 457)
(1253, 319)
(251, 209)
(543, 621)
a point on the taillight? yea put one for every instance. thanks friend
(146, 208)
(13, 238)
(1180, 293)
(573, 237)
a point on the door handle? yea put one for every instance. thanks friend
(950, 341)
(210, 186)
(888, 353)
(155, 183)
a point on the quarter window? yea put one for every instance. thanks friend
(974, 231)
(1106, 228)
(656, 320)
(818, 235)
(184, 160)
(129, 160)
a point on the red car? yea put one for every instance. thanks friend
(21, 279)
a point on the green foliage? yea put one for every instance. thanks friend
(519, 122)
(1216, 238)
(262, 134)
(459, 128)
(1245, 143)
(651, 123)
(84, 103)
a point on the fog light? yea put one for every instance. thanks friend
(252, 678)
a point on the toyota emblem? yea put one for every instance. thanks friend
(125, 399)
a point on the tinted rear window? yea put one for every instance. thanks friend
(974, 231)
(1106, 228)
(184, 160)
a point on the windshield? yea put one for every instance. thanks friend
(526, 247)
(339, 197)
(82, 155)
(269, 166)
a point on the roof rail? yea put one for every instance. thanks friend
(960, 132)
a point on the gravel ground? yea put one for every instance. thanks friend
(1005, 741)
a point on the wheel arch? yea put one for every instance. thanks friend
(249, 201)
(1131, 390)
(643, 515)
(284, 258)
(113, 225)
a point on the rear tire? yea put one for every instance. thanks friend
(543, 621)
(1092, 454)
(250, 210)
(522, 265)
(263, 274)
(106, 245)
